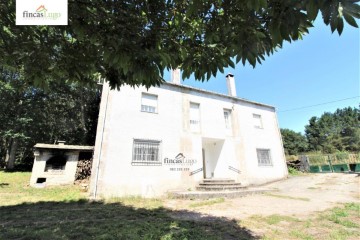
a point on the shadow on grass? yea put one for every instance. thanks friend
(99, 220)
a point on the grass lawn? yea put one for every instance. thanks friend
(65, 213)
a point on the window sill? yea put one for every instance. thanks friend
(146, 164)
(149, 112)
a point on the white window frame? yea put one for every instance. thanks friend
(264, 157)
(227, 118)
(146, 152)
(194, 121)
(258, 123)
(149, 103)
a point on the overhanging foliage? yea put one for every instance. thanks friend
(133, 42)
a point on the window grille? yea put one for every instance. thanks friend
(264, 158)
(257, 121)
(146, 152)
(227, 118)
(149, 103)
(195, 117)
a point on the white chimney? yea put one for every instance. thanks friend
(230, 82)
(175, 76)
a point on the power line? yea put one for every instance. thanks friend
(319, 104)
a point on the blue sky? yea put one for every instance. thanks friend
(322, 67)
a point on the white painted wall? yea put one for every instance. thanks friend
(113, 174)
(66, 176)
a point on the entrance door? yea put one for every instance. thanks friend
(211, 149)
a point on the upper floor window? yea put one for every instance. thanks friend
(257, 121)
(149, 103)
(146, 152)
(263, 156)
(194, 117)
(227, 118)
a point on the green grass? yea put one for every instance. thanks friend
(300, 235)
(64, 213)
(339, 215)
(294, 172)
(337, 223)
(207, 202)
(15, 189)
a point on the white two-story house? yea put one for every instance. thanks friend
(171, 137)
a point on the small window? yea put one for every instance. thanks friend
(146, 152)
(195, 117)
(257, 121)
(227, 118)
(149, 103)
(264, 158)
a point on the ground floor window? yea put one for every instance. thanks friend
(146, 152)
(264, 157)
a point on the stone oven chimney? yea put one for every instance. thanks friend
(230, 82)
(175, 76)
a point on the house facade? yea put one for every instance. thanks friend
(171, 137)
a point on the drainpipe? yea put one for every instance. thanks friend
(105, 86)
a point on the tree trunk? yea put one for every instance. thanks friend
(11, 154)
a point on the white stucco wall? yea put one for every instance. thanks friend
(121, 121)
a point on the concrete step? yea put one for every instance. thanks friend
(220, 188)
(215, 194)
(218, 180)
(234, 184)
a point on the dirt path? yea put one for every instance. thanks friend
(297, 196)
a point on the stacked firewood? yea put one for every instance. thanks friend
(83, 170)
(295, 164)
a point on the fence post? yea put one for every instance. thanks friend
(304, 163)
(330, 164)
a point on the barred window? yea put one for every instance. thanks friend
(149, 103)
(257, 121)
(264, 158)
(146, 152)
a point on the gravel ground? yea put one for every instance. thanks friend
(297, 196)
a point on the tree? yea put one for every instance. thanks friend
(338, 131)
(14, 115)
(294, 143)
(29, 115)
(133, 42)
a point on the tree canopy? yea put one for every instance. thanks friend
(294, 143)
(30, 115)
(338, 131)
(134, 42)
(329, 133)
